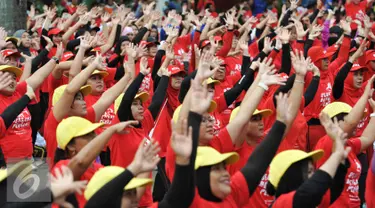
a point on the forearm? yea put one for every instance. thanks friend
(286, 63)
(13, 110)
(159, 96)
(368, 135)
(111, 40)
(77, 64)
(26, 71)
(338, 85)
(311, 90)
(262, 156)
(39, 76)
(38, 60)
(356, 114)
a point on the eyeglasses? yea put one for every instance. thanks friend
(207, 119)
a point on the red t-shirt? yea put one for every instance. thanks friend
(356, 11)
(50, 131)
(108, 115)
(222, 143)
(124, 146)
(89, 173)
(3, 128)
(284, 201)
(296, 137)
(238, 197)
(17, 142)
(349, 196)
(370, 188)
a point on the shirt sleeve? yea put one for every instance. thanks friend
(148, 121)
(222, 142)
(21, 87)
(355, 144)
(90, 114)
(240, 192)
(2, 127)
(111, 76)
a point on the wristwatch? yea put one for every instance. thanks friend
(56, 59)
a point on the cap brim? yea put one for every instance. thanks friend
(327, 55)
(315, 155)
(358, 68)
(101, 73)
(12, 39)
(229, 158)
(143, 96)
(264, 112)
(18, 72)
(176, 72)
(212, 107)
(89, 129)
(138, 182)
(86, 90)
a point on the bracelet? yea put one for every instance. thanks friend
(372, 115)
(56, 59)
(299, 81)
(263, 86)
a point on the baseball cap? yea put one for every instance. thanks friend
(10, 52)
(335, 108)
(72, 127)
(317, 53)
(100, 72)
(208, 156)
(54, 31)
(263, 113)
(210, 109)
(106, 174)
(67, 56)
(143, 96)
(174, 69)
(7, 68)
(370, 55)
(357, 67)
(85, 90)
(282, 161)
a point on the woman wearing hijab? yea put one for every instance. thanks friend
(78, 146)
(17, 141)
(293, 179)
(349, 118)
(131, 106)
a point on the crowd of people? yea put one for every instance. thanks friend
(192, 106)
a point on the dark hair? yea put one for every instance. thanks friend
(340, 116)
(61, 154)
(291, 180)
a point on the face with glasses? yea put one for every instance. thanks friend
(26, 40)
(206, 128)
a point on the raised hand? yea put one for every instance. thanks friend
(229, 19)
(244, 46)
(200, 97)
(368, 89)
(98, 63)
(271, 78)
(164, 72)
(106, 17)
(204, 70)
(81, 9)
(169, 53)
(315, 31)
(84, 19)
(131, 50)
(3, 60)
(266, 66)
(63, 184)
(141, 51)
(283, 109)
(155, 15)
(334, 131)
(359, 52)
(144, 69)
(5, 79)
(49, 42)
(85, 42)
(301, 33)
(284, 35)
(213, 42)
(182, 139)
(267, 45)
(146, 158)
(293, 4)
(51, 13)
(300, 64)
(59, 51)
(345, 25)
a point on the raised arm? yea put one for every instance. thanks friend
(39, 76)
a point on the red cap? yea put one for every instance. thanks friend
(353, 50)
(54, 31)
(66, 56)
(10, 52)
(205, 43)
(218, 38)
(357, 67)
(174, 69)
(248, 13)
(332, 48)
(370, 55)
(317, 52)
(236, 33)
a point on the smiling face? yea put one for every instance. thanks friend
(152, 50)
(358, 78)
(137, 110)
(56, 39)
(97, 84)
(220, 181)
(79, 107)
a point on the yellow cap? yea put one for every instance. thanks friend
(12, 39)
(176, 112)
(85, 90)
(16, 169)
(106, 174)
(143, 96)
(73, 127)
(282, 161)
(100, 72)
(335, 108)
(7, 68)
(212, 81)
(264, 113)
(207, 156)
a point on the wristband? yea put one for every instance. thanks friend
(263, 86)
(55, 59)
(299, 81)
(372, 115)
